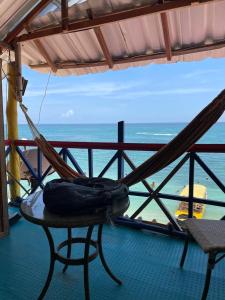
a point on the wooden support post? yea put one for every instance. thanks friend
(4, 223)
(18, 73)
(12, 119)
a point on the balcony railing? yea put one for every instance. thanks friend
(121, 156)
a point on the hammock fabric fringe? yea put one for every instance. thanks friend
(165, 156)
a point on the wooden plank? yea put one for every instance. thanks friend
(70, 65)
(166, 35)
(104, 46)
(138, 58)
(4, 223)
(76, 65)
(115, 16)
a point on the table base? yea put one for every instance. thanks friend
(67, 261)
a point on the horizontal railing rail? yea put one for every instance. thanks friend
(201, 148)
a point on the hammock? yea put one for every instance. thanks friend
(165, 156)
(181, 143)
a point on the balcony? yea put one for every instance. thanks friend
(147, 262)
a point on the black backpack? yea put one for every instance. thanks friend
(82, 195)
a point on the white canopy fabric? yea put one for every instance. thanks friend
(190, 28)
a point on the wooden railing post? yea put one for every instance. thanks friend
(120, 152)
(90, 162)
(191, 184)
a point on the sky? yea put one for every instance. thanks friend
(154, 93)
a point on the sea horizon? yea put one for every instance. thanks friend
(110, 123)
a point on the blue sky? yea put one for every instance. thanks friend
(154, 93)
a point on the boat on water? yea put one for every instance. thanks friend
(199, 191)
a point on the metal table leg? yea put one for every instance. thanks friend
(52, 263)
(69, 231)
(86, 261)
(106, 267)
(83, 261)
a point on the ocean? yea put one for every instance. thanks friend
(143, 133)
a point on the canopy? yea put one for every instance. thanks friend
(82, 37)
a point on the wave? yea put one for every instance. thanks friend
(149, 133)
(163, 134)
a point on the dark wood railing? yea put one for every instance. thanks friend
(173, 227)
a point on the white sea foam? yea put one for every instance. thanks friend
(163, 134)
(149, 133)
(144, 133)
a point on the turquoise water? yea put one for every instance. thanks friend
(144, 133)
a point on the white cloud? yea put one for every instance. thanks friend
(120, 91)
(88, 90)
(172, 91)
(199, 73)
(69, 113)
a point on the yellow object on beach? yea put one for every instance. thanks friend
(199, 191)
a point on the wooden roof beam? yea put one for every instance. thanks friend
(101, 41)
(29, 17)
(45, 55)
(64, 14)
(138, 58)
(104, 46)
(166, 35)
(38, 43)
(115, 16)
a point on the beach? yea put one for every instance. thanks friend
(143, 133)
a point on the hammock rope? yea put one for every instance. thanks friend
(58, 164)
(165, 156)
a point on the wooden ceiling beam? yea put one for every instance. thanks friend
(138, 58)
(115, 16)
(45, 55)
(104, 46)
(29, 17)
(101, 41)
(166, 35)
(64, 14)
(39, 44)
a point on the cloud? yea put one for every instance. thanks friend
(161, 92)
(69, 113)
(117, 90)
(199, 73)
(88, 90)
